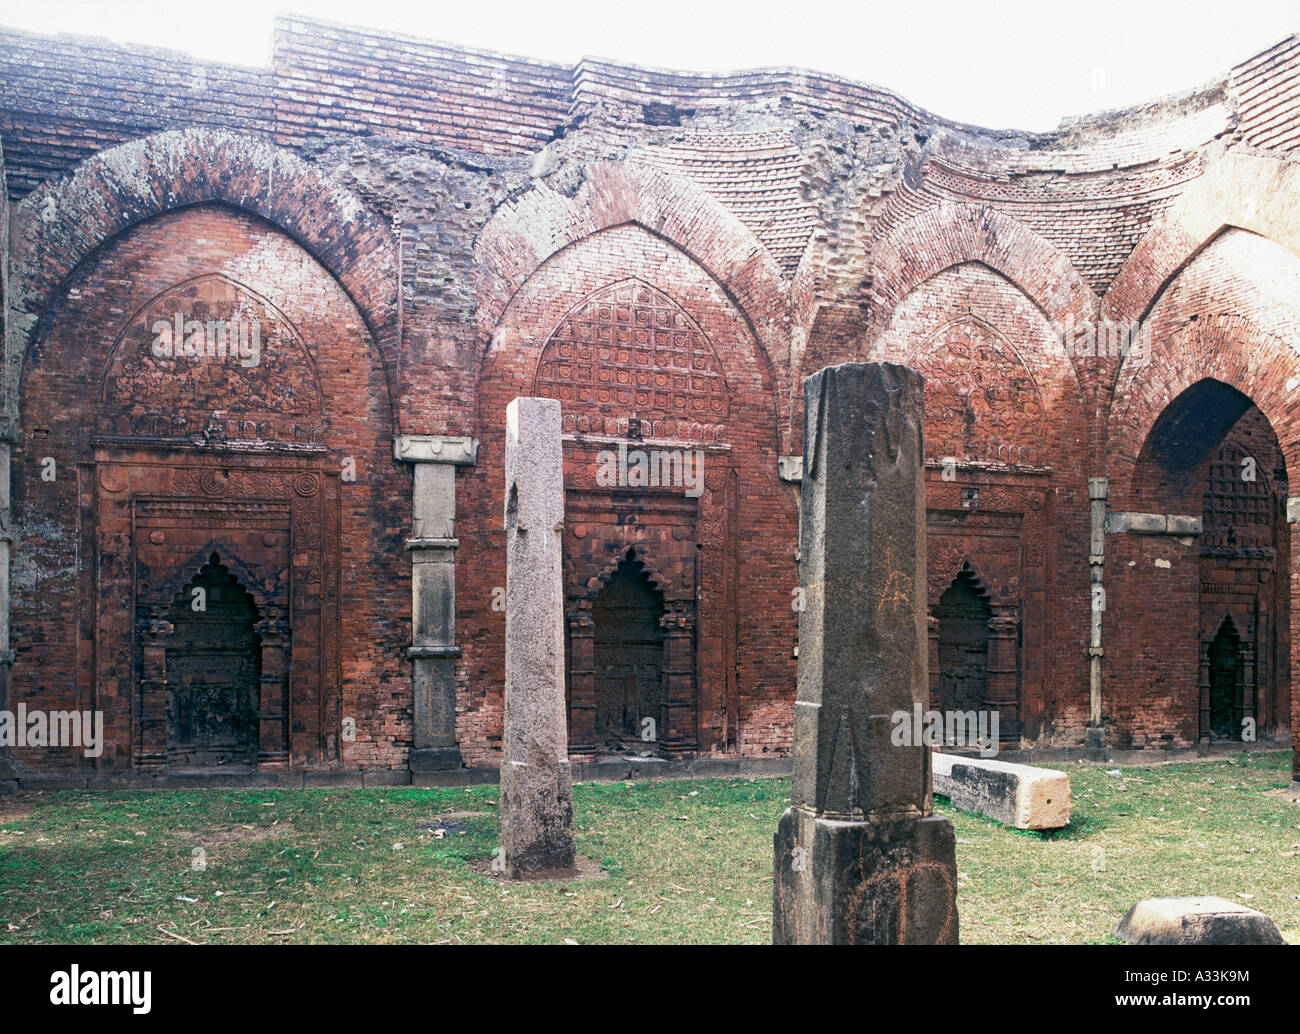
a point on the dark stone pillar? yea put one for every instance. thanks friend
(860, 857)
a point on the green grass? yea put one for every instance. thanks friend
(683, 862)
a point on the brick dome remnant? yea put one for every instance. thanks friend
(423, 232)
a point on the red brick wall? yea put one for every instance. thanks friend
(317, 399)
(745, 529)
(432, 215)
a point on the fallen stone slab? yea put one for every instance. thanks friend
(1205, 920)
(1016, 795)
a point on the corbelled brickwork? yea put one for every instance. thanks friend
(417, 234)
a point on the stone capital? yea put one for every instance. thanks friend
(435, 448)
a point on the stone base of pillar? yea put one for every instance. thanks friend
(435, 759)
(851, 882)
(1094, 737)
(537, 821)
(1293, 795)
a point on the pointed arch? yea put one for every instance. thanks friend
(1229, 349)
(659, 581)
(525, 234)
(213, 552)
(587, 340)
(1250, 192)
(280, 315)
(62, 223)
(952, 234)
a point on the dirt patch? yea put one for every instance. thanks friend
(15, 808)
(235, 834)
(585, 869)
(1283, 793)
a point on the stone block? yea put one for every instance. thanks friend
(847, 882)
(1199, 920)
(1016, 795)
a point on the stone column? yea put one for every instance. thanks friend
(582, 680)
(432, 547)
(154, 734)
(1095, 734)
(1002, 674)
(7, 438)
(272, 698)
(536, 783)
(1203, 685)
(1293, 523)
(860, 856)
(675, 723)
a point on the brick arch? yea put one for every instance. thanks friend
(591, 264)
(1227, 347)
(522, 236)
(659, 581)
(1239, 191)
(1004, 349)
(949, 574)
(952, 234)
(175, 586)
(1026, 338)
(119, 188)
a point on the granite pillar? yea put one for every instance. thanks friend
(536, 782)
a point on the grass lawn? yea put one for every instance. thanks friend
(683, 862)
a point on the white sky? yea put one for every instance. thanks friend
(995, 63)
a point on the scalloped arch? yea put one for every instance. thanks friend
(163, 596)
(660, 582)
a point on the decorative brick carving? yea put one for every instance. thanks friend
(631, 351)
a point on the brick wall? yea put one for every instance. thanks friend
(420, 223)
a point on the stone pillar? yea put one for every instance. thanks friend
(1203, 684)
(7, 774)
(932, 657)
(1293, 522)
(536, 783)
(272, 700)
(860, 857)
(1002, 674)
(153, 694)
(582, 680)
(675, 724)
(432, 547)
(1095, 735)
